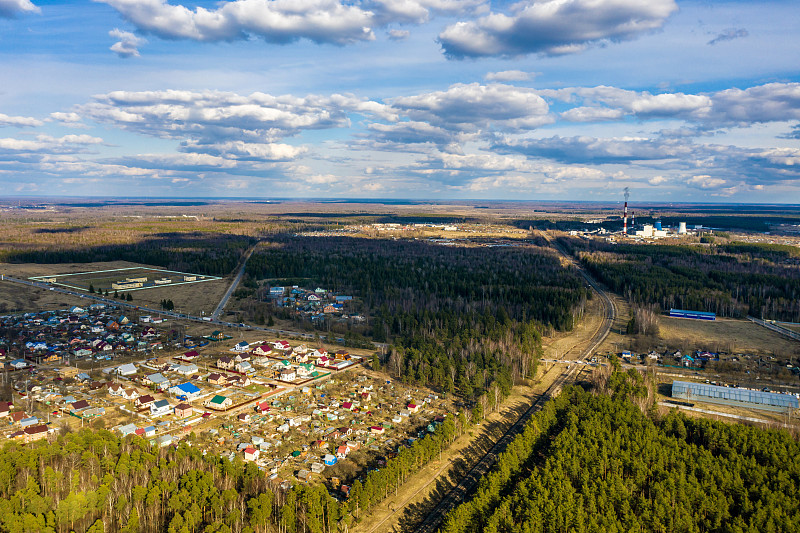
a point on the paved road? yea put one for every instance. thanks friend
(469, 482)
(234, 284)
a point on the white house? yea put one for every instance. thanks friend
(160, 408)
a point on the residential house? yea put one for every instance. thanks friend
(239, 381)
(143, 401)
(264, 349)
(250, 454)
(288, 374)
(116, 389)
(225, 363)
(217, 379)
(244, 366)
(130, 394)
(34, 433)
(183, 410)
(242, 357)
(242, 346)
(80, 405)
(219, 402)
(127, 429)
(126, 370)
(160, 408)
(188, 369)
(157, 380)
(377, 430)
(190, 356)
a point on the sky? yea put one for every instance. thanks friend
(681, 101)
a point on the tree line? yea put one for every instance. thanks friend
(95, 481)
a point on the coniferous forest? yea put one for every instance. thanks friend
(462, 319)
(596, 463)
(95, 481)
(734, 280)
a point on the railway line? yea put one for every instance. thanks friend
(471, 479)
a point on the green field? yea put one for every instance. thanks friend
(123, 279)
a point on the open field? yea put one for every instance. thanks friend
(724, 334)
(191, 298)
(127, 279)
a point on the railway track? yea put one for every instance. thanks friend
(471, 478)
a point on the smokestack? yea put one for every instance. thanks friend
(633, 219)
(625, 212)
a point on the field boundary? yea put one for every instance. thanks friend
(48, 278)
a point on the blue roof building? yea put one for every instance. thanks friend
(697, 315)
(189, 390)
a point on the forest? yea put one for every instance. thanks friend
(94, 481)
(597, 463)
(732, 280)
(462, 319)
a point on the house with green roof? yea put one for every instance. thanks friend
(219, 402)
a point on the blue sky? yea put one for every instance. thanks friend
(429, 99)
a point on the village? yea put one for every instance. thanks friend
(300, 413)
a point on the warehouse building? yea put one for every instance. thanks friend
(697, 315)
(752, 399)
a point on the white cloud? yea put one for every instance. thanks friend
(128, 44)
(282, 21)
(12, 8)
(470, 107)
(20, 122)
(554, 27)
(71, 119)
(508, 75)
(247, 151)
(657, 180)
(705, 182)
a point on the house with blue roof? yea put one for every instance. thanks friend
(189, 390)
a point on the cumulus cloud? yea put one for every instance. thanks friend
(471, 107)
(71, 119)
(554, 27)
(12, 8)
(212, 116)
(508, 75)
(128, 44)
(729, 35)
(281, 21)
(20, 122)
(245, 151)
(583, 149)
(763, 103)
(49, 144)
(705, 182)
